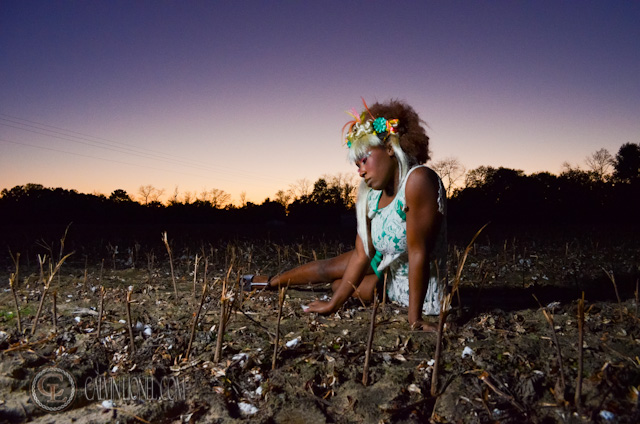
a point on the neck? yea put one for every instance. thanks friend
(392, 187)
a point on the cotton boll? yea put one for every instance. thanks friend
(467, 351)
(293, 343)
(247, 408)
(107, 404)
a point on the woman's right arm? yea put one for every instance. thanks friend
(356, 270)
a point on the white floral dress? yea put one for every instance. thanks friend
(389, 238)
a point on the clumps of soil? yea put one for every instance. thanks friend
(500, 362)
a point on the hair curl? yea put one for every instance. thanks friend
(412, 135)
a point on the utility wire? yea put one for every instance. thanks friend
(109, 160)
(113, 146)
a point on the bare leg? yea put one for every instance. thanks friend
(323, 271)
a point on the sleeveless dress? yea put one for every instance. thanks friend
(389, 238)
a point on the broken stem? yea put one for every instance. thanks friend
(100, 312)
(130, 324)
(372, 327)
(445, 305)
(173, 277)
(47, 283)
(436, 360)
(223, 316)
(195, 275)
(195, 320)
(12, 281)
(55, 313)
(615, 287)
(636, 293)
(35, 320)
(549, 319)
(578, 397)
(485, 379)
(276, 343)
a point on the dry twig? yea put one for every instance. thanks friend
(445, 306)
(277, 340)
(173, 277)
(55, 312)
(578, 398)
(52, 273)
(100, 312)
(224, 301)
(130, 323)
(196, 315)
(484, 376)
(195, 275)
(549, 318)
(12, 281)
(615, 287)
(13, 278)
(367, 356)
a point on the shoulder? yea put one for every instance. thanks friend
(422, 181)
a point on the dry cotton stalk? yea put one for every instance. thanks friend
(52, 273)
(173, 277)
(64, 237)
(486, 380)
(196, 315)
(372, 327)
(12, 281)
(41, 260)
(440, 332)
(636, 293)
(224, 300)
(55, 312)
(195, 275)
(578, 398)
(100, 312)
(218, 352)
(445, 305)
(276, 343)
(86, 260)
(16, 263)
(549, 318)
(384, 290)
(130, 323)
(615, 287)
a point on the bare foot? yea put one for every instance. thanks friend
(424, 327)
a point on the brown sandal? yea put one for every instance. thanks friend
(247, 283)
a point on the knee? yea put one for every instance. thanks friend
(324, 270)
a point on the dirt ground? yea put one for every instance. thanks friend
(502, 359)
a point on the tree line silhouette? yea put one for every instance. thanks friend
(500, 195)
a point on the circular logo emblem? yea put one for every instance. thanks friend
(53, 389)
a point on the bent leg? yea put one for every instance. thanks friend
(365, 290)
(322, 271)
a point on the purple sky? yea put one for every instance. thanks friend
(249, 96)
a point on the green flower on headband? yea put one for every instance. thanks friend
(380, 125)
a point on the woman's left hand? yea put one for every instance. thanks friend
(319, 307)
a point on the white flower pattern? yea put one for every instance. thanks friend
(389, 237)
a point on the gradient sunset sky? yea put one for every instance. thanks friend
(250, 96)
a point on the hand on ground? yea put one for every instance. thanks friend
(320, 307)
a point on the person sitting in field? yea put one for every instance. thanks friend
(401, 215)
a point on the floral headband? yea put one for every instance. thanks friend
(360, 127)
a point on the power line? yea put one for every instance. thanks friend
(105, 159)
(114, 146)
